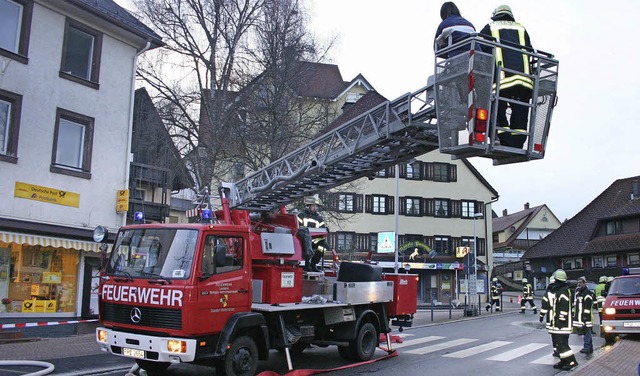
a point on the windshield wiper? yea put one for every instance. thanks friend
(128, 277)
(160, 281)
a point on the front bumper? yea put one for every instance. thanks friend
(621, 326)
(137, 346)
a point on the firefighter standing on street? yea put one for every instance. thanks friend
(513, 85)
(582, 313)
(496, 291)
(310, 218)
(527, 296)
(599, 297)
(557, 302)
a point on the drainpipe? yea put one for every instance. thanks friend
(130, 131)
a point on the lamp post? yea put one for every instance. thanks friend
(475, 255)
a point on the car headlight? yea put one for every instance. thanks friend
(610, 311)
(102, 336)
(176, 346)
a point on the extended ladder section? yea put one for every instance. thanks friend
(462, 98)
(468, 95)
(391, 133)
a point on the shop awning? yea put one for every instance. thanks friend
(48, 241)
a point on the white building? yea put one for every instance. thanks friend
(67, 71)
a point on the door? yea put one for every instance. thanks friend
(91, 281)
(224, 288)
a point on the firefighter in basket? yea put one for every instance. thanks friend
(313, 247)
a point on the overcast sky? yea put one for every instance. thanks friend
(593, 138)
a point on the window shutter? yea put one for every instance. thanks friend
(430, 207)
(428, 171)
(391, 171)
(403, 170)
(358, 203)
(368, 204)
(453, 172)
(390, 204)
(456, 208)
(403, 206)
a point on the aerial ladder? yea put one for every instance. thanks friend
(454, 113)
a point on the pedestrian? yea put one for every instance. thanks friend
(557, 302)
(527, 297)
(452, 29)
(600, 298)
(310, 218)
(514, 70)
(582, 313)
(496, 291)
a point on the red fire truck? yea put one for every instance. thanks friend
(227, 292)
(621, 309)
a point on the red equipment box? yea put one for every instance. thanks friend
(405, 294)
(280, 283)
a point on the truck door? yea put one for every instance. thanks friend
(224, 285)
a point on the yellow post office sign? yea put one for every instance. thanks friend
(122, 200)
(46, 194)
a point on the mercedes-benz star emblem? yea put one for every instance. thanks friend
(136, 315)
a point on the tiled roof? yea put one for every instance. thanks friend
(368, 101)
(575, 236)
(114, 13)
(318, 80)
(504, 222)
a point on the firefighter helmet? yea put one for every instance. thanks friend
(602, 279)
(312, 200)
(502, 9)
(524, 280)
(560, 275)
(609, 279)
(494, 279)
(552, 279)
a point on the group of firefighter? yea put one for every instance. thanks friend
(565, 311)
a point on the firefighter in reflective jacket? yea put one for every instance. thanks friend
(310, 218)
(515, 82)
(600, 298)
(496, 291)
(527, 297)
(558, 303)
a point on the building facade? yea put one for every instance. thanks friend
(67, 75)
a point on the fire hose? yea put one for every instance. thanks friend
(48, 367)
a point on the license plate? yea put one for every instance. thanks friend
(133, 353)
(631, 324)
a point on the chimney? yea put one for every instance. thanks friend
(504, 212)
(526, 205)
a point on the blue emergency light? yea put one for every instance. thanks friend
(138, 217)
(629, 271)
(206, 214)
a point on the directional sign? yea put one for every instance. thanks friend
(386, 242)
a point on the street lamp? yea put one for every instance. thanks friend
(475, 254)
(407, 267)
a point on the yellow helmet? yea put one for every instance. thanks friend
(502, 9)
(609, 279)
(524, 280)
(560, 275)
(602, 279)
(312, 200)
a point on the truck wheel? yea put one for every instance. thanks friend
(241, 358)
(363, 347)
(609, 338)
(153, 368)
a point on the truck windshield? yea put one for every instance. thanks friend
(625, 286)
(153, 253)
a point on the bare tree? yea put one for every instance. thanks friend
(225, 84)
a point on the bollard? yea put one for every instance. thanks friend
(449, 308)
(432, 309)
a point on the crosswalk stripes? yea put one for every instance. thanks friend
(441, 346)
(505, 356)
(477, 349)
(549, 359)
(516, 353)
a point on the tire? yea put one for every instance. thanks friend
(241, 358)
(365, 344)
(153, 368)
(609, 338)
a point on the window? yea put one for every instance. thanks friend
(411, 206)
(373, 241)
(613, 228)
(578, 263)
(72, 144)
(378, 204)
(441, 245)
(567, 264)
(81, 54)
(611, 261)
(444, 172)
(10, 109)
(633, 259)
(442, 208)
(468, 209)
(15, 22)
(345, 203)
(388, 172)
(345, 242)
(596, 261)
(221, 255)
(410, 171)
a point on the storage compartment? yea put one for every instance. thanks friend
(363, 292)
(405, 294)
(280, 284)
(359, 272)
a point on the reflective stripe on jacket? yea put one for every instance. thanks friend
(513, 32)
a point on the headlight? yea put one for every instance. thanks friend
(100, 234)
(176, 346)
(610, 311)
(102, 336)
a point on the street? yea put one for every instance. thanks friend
(505, 344)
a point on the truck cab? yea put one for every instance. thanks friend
(621, 309)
